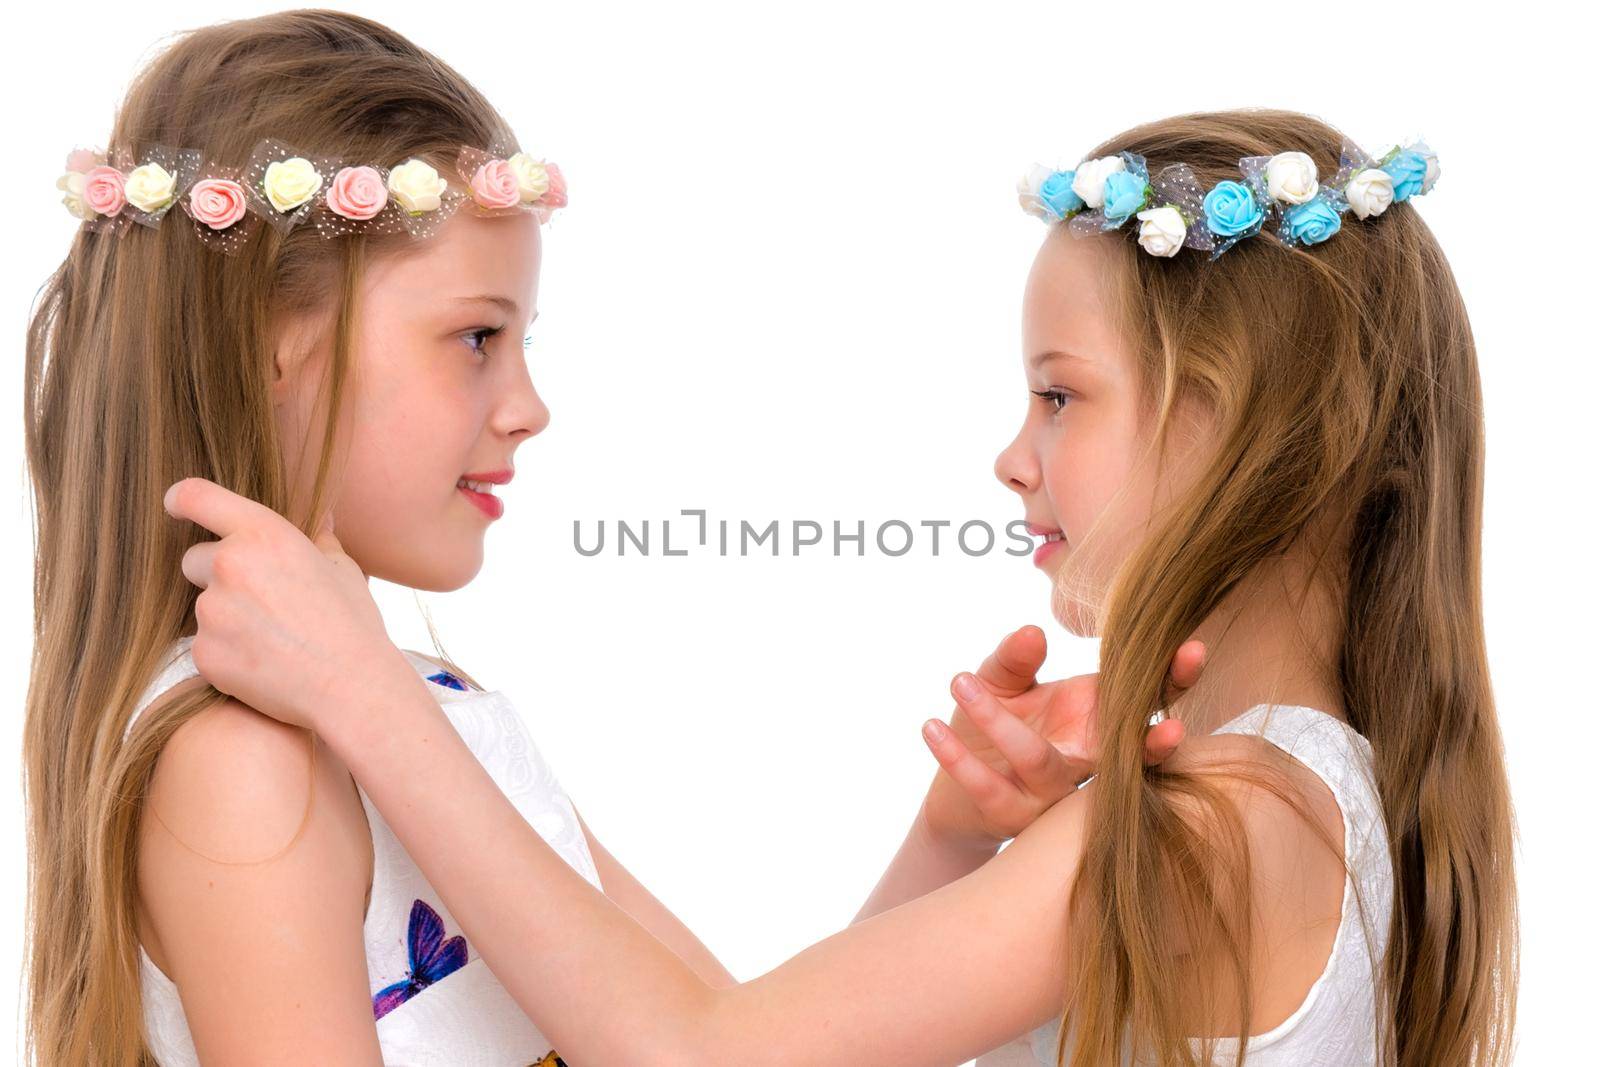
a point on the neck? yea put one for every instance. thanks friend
(1273, 640)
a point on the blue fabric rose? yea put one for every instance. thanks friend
(1055, 192)
(1231, 210)
(1125, 193)
(1312, 222)
(1408, 169)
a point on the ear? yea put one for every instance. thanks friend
(295, 342)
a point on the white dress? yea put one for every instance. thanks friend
(1334, 1024)
(434, 1000)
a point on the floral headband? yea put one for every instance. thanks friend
(1280, 192)
(284, 187)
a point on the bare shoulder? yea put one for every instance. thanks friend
(1281, 801)
(238, 785)
(1293, 830)
(254, 860)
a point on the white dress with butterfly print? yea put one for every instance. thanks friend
(434, 1000)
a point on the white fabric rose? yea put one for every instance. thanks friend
(533, 181)
(1028, 191)
(417, 186)
(149, 187)
(1090, 180)
(71, 183)
(1370, 192)
(290, 182)
(1430, 175)
(1161, 230)
(1292, 177)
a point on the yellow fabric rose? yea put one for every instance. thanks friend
(71, 184)
(533, 181)
(417, 186)
(149, 187)
(289, 183)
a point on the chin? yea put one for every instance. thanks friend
(444, 573)
(1078, 617)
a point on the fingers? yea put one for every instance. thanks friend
(1162, 740)
(1043, 769)
(198, 563)
(220, 510)
(1187, 664)
(1164, 736)
(993, 793)
(1079, 704)
(1011, 667)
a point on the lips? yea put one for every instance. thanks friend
(1054, 541)
(487, 503)
(479, 489)
(499, 477)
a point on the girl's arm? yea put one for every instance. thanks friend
(256, 915)
(1004, 762)
(924, 862)
(632, 897)
(971, 807)
(936, 980)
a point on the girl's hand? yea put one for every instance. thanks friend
(1014, 747)
(281, 618)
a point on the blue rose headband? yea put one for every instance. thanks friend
(1280, 193)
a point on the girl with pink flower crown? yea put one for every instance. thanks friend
(207, 884)
(1278, 451)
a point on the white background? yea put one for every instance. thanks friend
(788, 287)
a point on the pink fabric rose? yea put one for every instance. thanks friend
(217, 202)
(357, 192)
(556, 195)
(495, 185)
(81, 160)
(102, 190)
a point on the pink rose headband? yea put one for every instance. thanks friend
(284, 187)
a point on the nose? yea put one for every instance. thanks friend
(522, 411)
(1017, 467)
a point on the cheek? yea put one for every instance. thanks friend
(408, 444)
(1084, 474)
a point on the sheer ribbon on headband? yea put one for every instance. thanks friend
(1279, 194)
(284, 187)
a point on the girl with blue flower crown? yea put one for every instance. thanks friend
(1278, 452)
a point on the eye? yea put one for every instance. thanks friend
(1055, 398)
(483, 333)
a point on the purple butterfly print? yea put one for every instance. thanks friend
(432, 957)
(448, 680)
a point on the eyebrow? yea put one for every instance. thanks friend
(503, 302)
(1041, 358)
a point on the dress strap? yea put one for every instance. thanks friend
(1338, 754)
(178, 665)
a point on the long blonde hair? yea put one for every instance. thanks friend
(149, 360)
(1344, 382)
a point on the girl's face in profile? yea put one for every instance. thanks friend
(441, 390)
(1078, 462)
